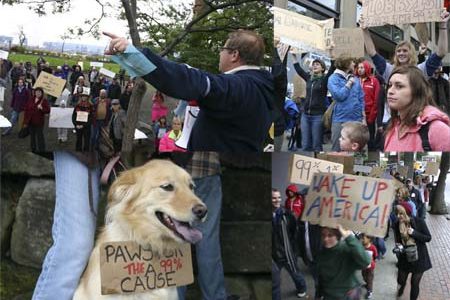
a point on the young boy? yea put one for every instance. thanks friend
(368, 273)
(354, 137)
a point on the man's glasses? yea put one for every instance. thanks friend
(227, 48)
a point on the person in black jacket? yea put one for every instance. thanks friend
(315, 103)
(416, 197)
(284, 228)
(441, 90)
(409, 232)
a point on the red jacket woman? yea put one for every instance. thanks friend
(35, 110)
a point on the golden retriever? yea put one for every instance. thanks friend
(152, 205)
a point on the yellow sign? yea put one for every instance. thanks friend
(51, 85)
(303, 168)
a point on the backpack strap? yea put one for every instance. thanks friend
(423, 132)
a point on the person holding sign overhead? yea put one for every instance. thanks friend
(405, 54)
(231, 104)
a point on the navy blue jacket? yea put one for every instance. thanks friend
(235, 109)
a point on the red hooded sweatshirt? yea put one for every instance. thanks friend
(296, 203)
(371, 87)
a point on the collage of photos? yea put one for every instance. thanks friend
(141, 141)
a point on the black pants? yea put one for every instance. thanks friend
(83, 138)
(372, 143)
(37, 140)
(415, 282)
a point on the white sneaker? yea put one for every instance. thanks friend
(301, 295)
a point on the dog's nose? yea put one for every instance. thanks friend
(199, 210)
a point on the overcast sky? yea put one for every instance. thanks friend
(49, 28)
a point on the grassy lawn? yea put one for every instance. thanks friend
(58, 61)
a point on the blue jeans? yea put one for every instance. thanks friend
(276, 283)
(73, 230)
(96, 132)
(209, 258)
(312, 132)
(13, 120)
(296, 275)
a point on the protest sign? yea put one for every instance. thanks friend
(4, 54)
(282, 50)
(356, 202)
(63, 99)
(4, 122)
(403, 170)
(190, 117)
(81, 64)
(127, 267)
(107, 73)
(52, 85)
(60, 117)
(348, 42)
(376, 172)
(432, 168)
(422, 32)
(362, 169)
(381, 12)
(96, 64)
(86, 90)
(139, 135)
(302, 32)
(82, 116)
(302, 168)
(346, 159)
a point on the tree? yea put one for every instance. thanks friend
(437, 201)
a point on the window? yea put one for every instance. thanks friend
(304, 11)
(329, 3)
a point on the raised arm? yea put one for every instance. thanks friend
(442, 48)
(368, 42)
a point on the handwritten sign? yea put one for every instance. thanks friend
(346, 159)
(303, 168)
(348, 42)
(422, 32)
(60, 117)
(86, 90)
(432, 168)
(82, 116)
(127, 267)
(282, 50)
(96, 64)
(302, 32)
(4, 54)
(376, 172)
(356, 202)
(52, 85)
(107, 73)
(381, 12)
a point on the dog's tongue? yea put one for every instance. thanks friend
(190, 234)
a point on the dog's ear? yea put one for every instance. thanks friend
(122, 188)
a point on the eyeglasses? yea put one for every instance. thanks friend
(227, 48)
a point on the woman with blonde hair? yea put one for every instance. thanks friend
(411, 234)
(167, 143)
(416, 125)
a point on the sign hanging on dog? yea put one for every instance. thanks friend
(304, 167)
(128, 268)
(356, 202)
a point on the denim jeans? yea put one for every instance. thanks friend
(312, 132)
(13, 120)
(209, 258)
(96, 132)
(276, 282)
(336, 128)
(73, 230)
(296, 275)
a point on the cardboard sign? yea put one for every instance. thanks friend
(376, 172)
(422, 32)
(4, 54)
(60, 117)
(341, 158)
(127, 267)
(432, 168)
(107, 73)
(96, 64)
(52, 85)
(403, 170)
(82, 116)
(356, 202)
(302, 32)
(282, 50)
(381, 12)
(362, 169)
(348, 42)
(303, 168)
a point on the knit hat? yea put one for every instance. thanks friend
(407, 207)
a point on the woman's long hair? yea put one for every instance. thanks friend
(412, 54)
(420, 93)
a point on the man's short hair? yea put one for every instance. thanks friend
(249, 44)
(343, 62)
(357, 133)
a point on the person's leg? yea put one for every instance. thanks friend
(87, 138)
(402, 276)
(278, 142)
(305, 126)
(415, 285)
(79, 142)
(73, 230)
(276, 283)
(336, 128)
(209, 257)
(317, 132)
(371, 144)
(40, 139)
(297, 277)
(32, 138)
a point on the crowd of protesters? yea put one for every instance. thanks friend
(359, 90)
(334, 256)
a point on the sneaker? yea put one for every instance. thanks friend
(369, 295)
(301, 295)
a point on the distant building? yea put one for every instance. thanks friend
(5, 41)
(73, 48)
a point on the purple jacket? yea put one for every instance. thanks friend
(20, 98)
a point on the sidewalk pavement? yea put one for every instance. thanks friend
(435, 284)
